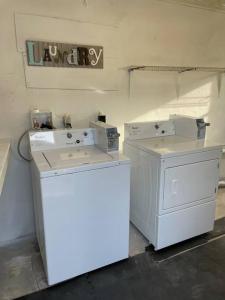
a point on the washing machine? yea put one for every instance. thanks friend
(174, 179)
(81, 200)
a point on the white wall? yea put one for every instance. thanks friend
(148, 32)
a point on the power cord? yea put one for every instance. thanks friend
(19, 146)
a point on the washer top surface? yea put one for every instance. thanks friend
(69, 160)
(174, 145)
(63, 158)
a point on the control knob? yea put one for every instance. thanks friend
(69, 135)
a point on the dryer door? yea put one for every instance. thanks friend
(189, 183)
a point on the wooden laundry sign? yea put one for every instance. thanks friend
(51, 54)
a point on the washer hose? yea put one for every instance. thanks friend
(18, 147)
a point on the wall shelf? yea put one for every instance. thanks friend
(178, 69)
(213, 5)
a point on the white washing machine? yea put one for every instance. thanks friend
(174, 179)
(81, 198)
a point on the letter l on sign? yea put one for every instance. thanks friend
(30, 47)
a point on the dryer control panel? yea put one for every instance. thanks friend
(144, 130)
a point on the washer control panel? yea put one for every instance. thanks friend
(112, 138)
(78, 137)
(59, 138)
(106, 136)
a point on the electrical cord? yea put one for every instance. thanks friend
(19, 146)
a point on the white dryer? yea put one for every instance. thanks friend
(174, 179)
(81, 198)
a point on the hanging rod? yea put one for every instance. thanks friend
(176, 69)
(218, 6)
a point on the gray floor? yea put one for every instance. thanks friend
(21, 269)
(195, 274)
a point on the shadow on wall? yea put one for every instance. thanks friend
(156, 95)
(16, 213)
(163, 93)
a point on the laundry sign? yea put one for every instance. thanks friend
(52, 54)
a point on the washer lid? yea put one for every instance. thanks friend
(75, 157)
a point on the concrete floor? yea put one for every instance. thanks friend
(21, 269)
(197, 274)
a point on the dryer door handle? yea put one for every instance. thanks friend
(174, 186)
